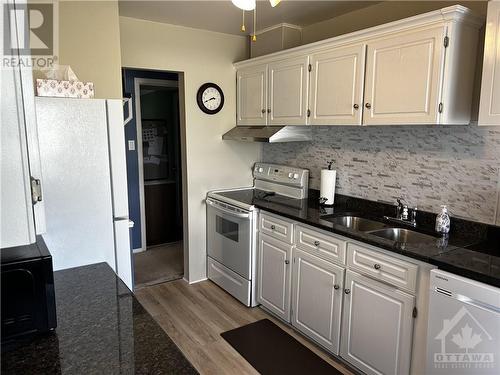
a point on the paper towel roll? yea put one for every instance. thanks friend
(327, 189)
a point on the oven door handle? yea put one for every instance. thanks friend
(232, 213)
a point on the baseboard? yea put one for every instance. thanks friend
(195, 282)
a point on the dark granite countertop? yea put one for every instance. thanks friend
(471, 249)
(102, 329)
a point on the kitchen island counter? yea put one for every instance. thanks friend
(102, 329)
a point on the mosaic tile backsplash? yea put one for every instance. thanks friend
(428, 166)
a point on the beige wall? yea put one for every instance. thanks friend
(211, 163)
(89, 41)
(378, 14)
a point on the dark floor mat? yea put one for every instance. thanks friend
(270, 350)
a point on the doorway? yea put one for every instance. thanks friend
(158, 254)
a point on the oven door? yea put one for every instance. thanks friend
(229, 237)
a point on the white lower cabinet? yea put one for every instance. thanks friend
(317, 299)
(377, 326)
(274, 276)
(362, 310)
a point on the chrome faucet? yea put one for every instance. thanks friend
(404, 214)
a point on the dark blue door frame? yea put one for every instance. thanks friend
(128, 77)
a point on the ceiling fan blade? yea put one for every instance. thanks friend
(274, 2)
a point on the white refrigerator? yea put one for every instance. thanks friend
(82, 152)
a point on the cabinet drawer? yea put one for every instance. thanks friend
(320, 244)
(275, 227)
(383, 267)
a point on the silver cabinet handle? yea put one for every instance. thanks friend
(356, 106)
(273, 227)
(368, 105)
(336, 286)
(376, 266)
(347, 291)
(316, 243)
(287, 261)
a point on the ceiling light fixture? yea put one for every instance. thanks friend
(247, 5)
(244, 4)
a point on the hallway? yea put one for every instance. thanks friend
(158, 264)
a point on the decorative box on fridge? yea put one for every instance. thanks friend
(64, 89)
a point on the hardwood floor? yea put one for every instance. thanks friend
(195, 315)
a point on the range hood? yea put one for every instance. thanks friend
(269, 134)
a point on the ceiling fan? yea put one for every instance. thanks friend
(248, 5)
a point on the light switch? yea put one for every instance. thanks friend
(131, 145)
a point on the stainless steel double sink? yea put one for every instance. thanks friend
(380, 229)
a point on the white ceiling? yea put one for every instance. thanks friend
(223, 16)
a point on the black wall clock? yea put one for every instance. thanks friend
(210, 98)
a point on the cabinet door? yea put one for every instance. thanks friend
(288, 90)
(273, 289)
(403, 78)
(489, 112)
(317, 299)
(377, 326)
(336, 93)
(19, 147)
(252, 96)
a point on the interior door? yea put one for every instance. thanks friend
(288, 91)
(489, 112)
(403, 78)
(377, 326)
(317, 299)
(273, 288)
(336, 92)
(251, 96)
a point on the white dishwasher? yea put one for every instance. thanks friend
(463, 336)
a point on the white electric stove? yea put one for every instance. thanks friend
(232, 225)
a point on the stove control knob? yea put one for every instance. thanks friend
(290, 175)
(260, 170)
(296, 176)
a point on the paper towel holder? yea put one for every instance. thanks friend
(323, 200)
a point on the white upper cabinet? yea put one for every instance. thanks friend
(252, 96)
(336, 89)
(489, 112)
(403, 78)
(415, 71)
(288, 90)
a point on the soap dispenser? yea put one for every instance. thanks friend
(443, 221)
